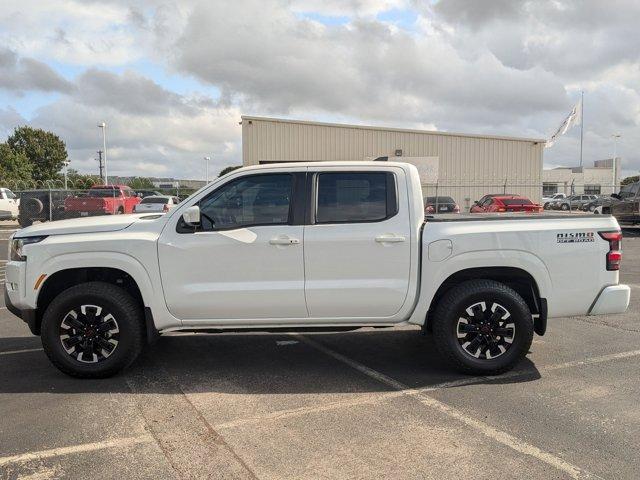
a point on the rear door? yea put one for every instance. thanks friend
(357, 243)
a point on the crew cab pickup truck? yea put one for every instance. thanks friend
(337, 245)
(102, 200)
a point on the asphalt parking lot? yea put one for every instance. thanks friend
(367, 404)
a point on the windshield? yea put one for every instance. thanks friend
(629, 191)
(103, 192)
(155, 200)
(432, 200)
(517, 201)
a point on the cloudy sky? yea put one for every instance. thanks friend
(172, 78)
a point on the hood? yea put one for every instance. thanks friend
(102, 223)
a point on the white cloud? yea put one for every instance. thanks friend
(510, 67)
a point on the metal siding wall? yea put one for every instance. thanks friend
(471, 166)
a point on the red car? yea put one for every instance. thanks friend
(102, 200)
(504, 203)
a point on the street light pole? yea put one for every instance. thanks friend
(615, 136)
(206, 163)
(103, 126)
(66, 166)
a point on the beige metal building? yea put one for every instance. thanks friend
(463, 166)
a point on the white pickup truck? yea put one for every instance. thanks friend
(309, 245)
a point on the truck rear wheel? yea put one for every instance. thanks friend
(92, 330)
(482, 327)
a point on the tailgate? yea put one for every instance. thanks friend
(84, 204)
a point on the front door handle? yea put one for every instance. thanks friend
(284, 240)
(390, 238)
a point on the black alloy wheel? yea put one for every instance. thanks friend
(89, 333)
(485, 331)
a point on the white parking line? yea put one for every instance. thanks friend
(500, 436)
(26, 350)
(84, 447)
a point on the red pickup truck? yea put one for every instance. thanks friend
(102, 200)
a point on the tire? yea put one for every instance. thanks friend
(564, 206)
(120, 211)
(451, 320)
(25, 222)
(125, 328)
(34, 206)
(546, 206)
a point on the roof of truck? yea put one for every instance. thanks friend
(341, 163)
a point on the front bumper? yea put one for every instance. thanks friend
(27, 315)
(612, 299)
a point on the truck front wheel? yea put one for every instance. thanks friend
(92, 330)
(482, 327)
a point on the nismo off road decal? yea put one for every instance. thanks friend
(575, 237)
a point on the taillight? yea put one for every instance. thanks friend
(429, 209)
(614, 255)
(165, 208)
(501, 209)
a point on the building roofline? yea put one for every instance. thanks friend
(391, 129)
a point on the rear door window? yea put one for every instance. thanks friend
(355, 197)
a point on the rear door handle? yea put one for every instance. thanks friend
(390, 238)
(284, 240)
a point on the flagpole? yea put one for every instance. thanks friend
(581, 122)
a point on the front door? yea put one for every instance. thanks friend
(245, 260)
(358, 244)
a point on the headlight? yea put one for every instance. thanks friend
(17, 245)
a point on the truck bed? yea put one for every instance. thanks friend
(466, 217)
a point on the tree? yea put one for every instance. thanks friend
(44, 150)
(80, 180)
(226, 170)
(15, 168)
(141, 183)
(628, 180)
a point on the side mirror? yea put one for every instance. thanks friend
(191, 215)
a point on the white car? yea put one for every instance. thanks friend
(9, 204)
(546, 201)
(328, 245)
(156, 204)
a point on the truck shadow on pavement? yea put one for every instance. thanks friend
(253, 364)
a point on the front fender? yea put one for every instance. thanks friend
(119, 261)
(434, 274)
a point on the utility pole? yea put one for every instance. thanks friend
(581, 122)
(615, 136)
(100, 165)
(206, 162)
(66, 166)
(103, 126)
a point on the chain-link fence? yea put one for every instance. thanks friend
(50, 200)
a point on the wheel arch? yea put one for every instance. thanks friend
(521, 281)
(69, 270)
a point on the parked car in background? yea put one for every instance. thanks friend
(42, 206)
(147, 193)
(156, 204)
(573, 202)
(504, 203)
(440, 205)
(9, 203)
(102, 200)
(627, 208)
(598, 202)
(546, 201)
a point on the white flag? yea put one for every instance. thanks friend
(572, 119)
